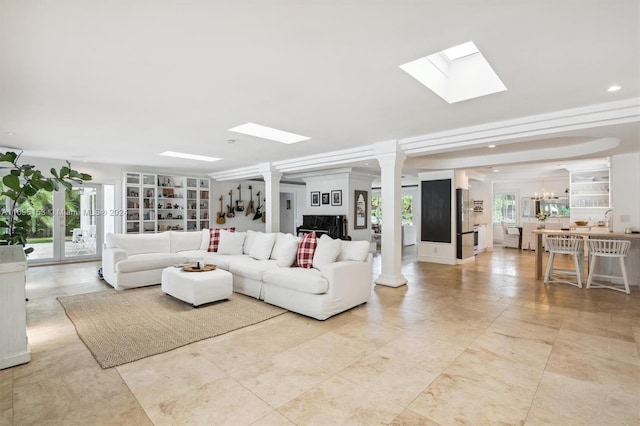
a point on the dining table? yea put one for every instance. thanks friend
(583, 232)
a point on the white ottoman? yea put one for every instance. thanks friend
(197, 288)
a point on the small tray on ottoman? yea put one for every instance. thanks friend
(194, 268)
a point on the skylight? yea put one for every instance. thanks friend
(456, 74)
(270, 133)
(189, 156)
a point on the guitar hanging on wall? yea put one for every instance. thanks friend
(230, 209)
(250, 208)
(220, 219)
(239, 202)
(258, 214)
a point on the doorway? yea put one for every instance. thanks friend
(287, 213)
(67, 224)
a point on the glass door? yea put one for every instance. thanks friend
(81, 222)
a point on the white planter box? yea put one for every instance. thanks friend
(14, 346)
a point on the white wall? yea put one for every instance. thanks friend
(343, 180)
(243, 222)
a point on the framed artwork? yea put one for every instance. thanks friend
(315, 198)
(325, 198)
(336, 198)
(361, 210)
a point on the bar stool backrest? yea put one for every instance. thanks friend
(566, 244)
(609, 248)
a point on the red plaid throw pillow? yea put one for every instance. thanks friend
(306, 249)
(214, 239)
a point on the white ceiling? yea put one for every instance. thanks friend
(121, 81)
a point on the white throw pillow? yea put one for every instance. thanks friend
(327, 251)
(285, 250)
(354, 250)
(248, 241)
(262, 245)
(204, 243)
(231, 242)
(183, 241)
(276, 246)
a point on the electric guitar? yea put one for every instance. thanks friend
(220, 219)
(250, 208)
(258, 214)
(239, 202)
(230, 209)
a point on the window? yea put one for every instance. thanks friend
(407, 209)
(505, 207)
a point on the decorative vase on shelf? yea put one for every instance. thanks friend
(541, 224)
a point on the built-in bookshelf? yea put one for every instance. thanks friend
(590, 190)
(158, 203)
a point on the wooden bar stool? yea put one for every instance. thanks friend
(565, 244)
(611, 249)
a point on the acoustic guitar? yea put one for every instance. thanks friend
(250, 208)
(220, 219)
(230, 209)
(239, 202)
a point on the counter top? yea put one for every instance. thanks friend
(590, 233)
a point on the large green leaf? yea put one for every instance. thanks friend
(12, 182)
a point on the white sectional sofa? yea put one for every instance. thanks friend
(261, 265)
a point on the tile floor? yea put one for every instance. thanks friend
(483, 343)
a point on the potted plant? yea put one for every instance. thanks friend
(542, 216)
(22, 182)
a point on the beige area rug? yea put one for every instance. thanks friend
(123, 326)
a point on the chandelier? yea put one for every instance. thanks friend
(543, 194)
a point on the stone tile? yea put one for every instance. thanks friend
(339, 401)
(599, 326)
(322, 351)
(584, 367)
(238, 350)
(221, 402)
(456, 400)
(397, 379)
(524, 330)
(291, 332)
(532, 353)
(273, 419)
(605, 347)
(411, 418)
(161, 377)
(53, 397)
(119, 410)
(419, 347)
(534, 316)
(565, 400)
(281, 378)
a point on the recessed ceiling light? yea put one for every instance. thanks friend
(492, 146)
(456, 74)
(614, 88)
(495, 170)
(189, 156)
(270, 133)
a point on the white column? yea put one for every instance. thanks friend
(272, 196)
(391, 159)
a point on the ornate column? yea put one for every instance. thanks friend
(272, 196)
(391, 159)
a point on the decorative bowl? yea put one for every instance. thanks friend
(581, 222)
